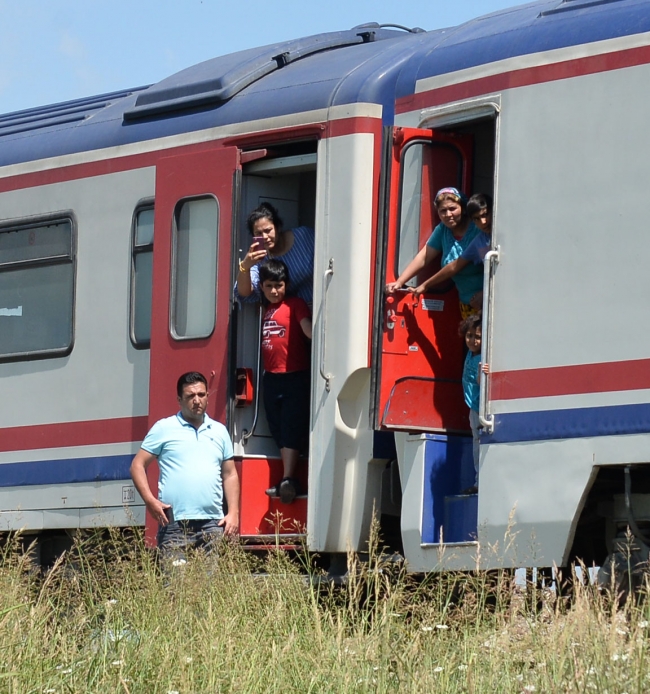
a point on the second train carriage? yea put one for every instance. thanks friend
(121, 224)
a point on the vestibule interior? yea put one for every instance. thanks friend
(285, 177)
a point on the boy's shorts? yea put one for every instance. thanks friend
(286, 401)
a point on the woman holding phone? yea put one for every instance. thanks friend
(295, 247)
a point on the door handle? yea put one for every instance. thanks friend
(327, 377)
(491, 259)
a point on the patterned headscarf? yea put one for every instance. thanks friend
(454, 192)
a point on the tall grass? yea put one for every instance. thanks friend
(105, 619)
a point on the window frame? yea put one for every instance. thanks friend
(34, 222)
(143, 205)
(432, 145)
(174, 278)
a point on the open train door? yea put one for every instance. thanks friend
(418, 352)
(192, 283)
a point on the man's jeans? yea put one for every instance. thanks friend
(176, 538)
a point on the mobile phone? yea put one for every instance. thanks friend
(259, 240)
(169, 514)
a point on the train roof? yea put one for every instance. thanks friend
(367, 64)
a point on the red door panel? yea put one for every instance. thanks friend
(422, 354)
(209, 173)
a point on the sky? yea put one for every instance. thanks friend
(57, 50)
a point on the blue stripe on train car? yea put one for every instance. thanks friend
(612, 420)
(99, 469)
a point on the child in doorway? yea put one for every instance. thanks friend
(286, 329)
(479, 210)
(471, 330)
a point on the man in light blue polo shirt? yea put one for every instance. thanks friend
(195, 459)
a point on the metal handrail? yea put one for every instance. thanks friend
(258, 377)
(325, 376)
(491, 258)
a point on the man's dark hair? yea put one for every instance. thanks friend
(478, 202)
(188, 379)
(274, 270)
(472, 321)
(264, 211)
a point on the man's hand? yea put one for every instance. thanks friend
(157, 510)
(230, 524)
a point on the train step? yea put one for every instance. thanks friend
(460, 517)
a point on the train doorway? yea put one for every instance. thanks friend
(284, 176)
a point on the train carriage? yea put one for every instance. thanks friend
(122, 223)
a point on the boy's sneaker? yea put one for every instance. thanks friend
(273, 492)
(289, 489)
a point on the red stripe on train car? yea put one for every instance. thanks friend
(65, 434)
(566, 69)
(571, 380)
(74, 172)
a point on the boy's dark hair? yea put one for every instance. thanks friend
(274, 270)
(478, 202)
(472, 321)
(264, 211)
(189, 378)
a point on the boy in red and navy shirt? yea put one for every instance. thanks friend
(286, 331)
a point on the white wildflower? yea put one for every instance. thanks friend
(616, 656)
(622, 632)
(529, 688)
(173, 691)
(112, 601)
(437, 669)
(643, 624)
(427, 628)
(189, 659)
(519, 678)
(117, 662)
(49, 691)
(179, 562)
(462, 667)
(441, 626)
(375, 669)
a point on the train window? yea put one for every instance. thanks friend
(195, 268)
(141, 276)
(411, 209)
(36, 289)
(427, 166)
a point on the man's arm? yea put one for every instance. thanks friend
(139, 466)
(230, 522)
